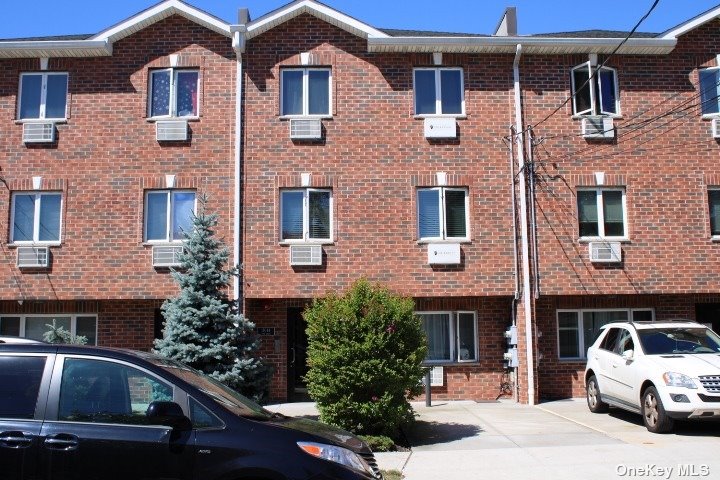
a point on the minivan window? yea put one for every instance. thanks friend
(20, 379)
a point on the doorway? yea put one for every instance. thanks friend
(709, 314)
(297, 356)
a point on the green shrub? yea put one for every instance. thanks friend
(365, 350)
(379, 443)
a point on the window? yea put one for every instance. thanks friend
(452, 336)
(202, 417)
(35, 326)
(174, 93)
(168, 215)
(709, 91)
(439, 91)
(108, 392)
(305, 91)
(43, 96)
(714, 202)
(306, 215)
(601, 213)
(596, 96)
(36, 217)
(443, 214)
(578, 329)
(20, 378)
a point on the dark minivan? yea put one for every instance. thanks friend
(70, 412)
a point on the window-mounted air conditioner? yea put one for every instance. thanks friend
(33, 257)
(716, 127)
(166, 255)
(43, 132)
(171, 130)
(305, 255)
(305, 129)
(598, 127)
(605, 252)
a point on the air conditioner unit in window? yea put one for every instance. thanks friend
(440, 128)
(171, 130)
(605, 252)
(39, 132)
(437, 377)
(716, 127)
(33, 257)
(598, 127)
(305, 129)
(166, 255)
(305, 255)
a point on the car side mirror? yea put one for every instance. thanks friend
(628, 355)
(169, 414)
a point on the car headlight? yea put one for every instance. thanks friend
(340, 455)
(673, 379)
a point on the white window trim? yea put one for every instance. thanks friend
(168, 213)
(601, 213)
(438, 94)
(443, 236)
(36, 223)
(582, 348)
(43, 97)
(173, 92)
(707, 116)
(306, 240)
(305, 92)
(73, 320)
(714, 238)
(595, 97)
(454, 319)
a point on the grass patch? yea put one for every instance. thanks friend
(392, 474)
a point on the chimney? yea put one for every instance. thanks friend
(507, 27)
(243, 16)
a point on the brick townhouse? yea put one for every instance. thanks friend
(350, 151)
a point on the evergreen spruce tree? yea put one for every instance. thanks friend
(203, 329)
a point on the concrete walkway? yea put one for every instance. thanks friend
(556, 440)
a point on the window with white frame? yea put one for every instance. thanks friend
(714, 203)
(710, 90)
(578, 329)
(36, 217)
(443, 213)
(168, 215)
(35, 326)
(174, 93)
(597, 95)
(452, 336)
(305, 91)
(43, 96)
(306, 215)
(439, 91)
(602, 213)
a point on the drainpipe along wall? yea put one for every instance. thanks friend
(526, 294)
(238, 44)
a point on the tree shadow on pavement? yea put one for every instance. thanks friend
(431, 433)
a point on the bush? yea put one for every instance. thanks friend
(365, 350)
(379, 443)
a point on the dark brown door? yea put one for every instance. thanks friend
(708, 313)
(297, 355)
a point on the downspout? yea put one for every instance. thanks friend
(238, 43)
(520, 138)
(516, 270)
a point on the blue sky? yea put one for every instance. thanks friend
(51, 17)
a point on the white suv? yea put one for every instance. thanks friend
(662, 370)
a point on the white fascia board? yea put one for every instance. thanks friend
(55, 48)
(323, 12)
(159, 12)
(531, 45)
(692, 24)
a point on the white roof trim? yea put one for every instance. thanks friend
(692, 24)
(531, 45)
(54, 48)
(323, 12)
(159, 12)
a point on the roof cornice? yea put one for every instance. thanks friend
(55, 48)
(692, 24)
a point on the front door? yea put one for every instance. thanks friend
(709, 314)
(297, 355)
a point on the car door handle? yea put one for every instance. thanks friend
(14, 440)
(61, 441)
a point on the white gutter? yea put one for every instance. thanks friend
(54, 48)
(527, 306)
(239, 47)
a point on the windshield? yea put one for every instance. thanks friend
(664, 341)
(225, 396)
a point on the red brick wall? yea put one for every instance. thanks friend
(373, 156)
(106, 156)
